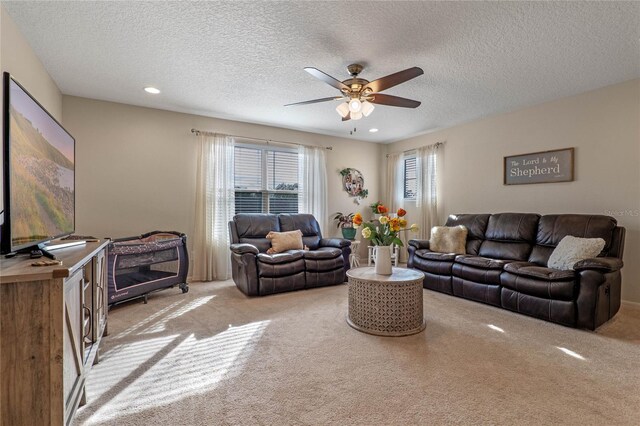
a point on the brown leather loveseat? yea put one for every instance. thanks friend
(257, 273)
(505, 265)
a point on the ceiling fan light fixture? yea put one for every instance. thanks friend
(367, 108)
(355, 105)
(343, 109)
(360, 94)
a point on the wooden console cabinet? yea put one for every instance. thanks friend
(52, 319)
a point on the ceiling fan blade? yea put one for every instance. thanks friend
(394, 79)
(397, 101)
(347, 118)
(315, 101)
(326, 78)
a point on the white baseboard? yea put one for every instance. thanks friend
(630, 303)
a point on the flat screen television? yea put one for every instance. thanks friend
(39, 173)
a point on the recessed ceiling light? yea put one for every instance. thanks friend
(373, 130)
(151, 90)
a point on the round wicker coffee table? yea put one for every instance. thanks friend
(386, 305)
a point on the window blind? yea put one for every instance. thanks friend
(266, 180)
(282, 170)
(247, 168)
(410, 178)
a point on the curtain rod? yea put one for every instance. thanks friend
(437, 144)
(198, 132)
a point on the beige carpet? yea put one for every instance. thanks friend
(213, 356)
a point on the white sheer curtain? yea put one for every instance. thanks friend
(394, 193)
(395, 187)
(215, 205)
(312, 169)
(429, 167)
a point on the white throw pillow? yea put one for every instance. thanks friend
(571, 250)
(448, 239)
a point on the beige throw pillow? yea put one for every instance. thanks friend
(571, 250)
(448, 239)
(283, 241)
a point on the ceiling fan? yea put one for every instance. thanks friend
(360, 94)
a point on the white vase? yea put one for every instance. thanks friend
(383, 260)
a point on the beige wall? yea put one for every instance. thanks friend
(136, 166)
(604, 127)
(17, 58)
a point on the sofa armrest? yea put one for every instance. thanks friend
(243, 248)
(604, 264)
(335, 242)
(419, 244)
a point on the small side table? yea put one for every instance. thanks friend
(354, 258)
(386, 305)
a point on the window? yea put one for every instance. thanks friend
(410, 178)
(428, 172)
(265, 179)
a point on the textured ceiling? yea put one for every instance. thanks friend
(245, 60)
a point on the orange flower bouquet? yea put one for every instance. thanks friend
(386, 233)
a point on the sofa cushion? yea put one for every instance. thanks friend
(572, 250)
(253, 227)
(509, 236)
(527, 269)
(475, 274)
(279, 258)
(553, 228)
(281, 264)
(324, 260)
(431, 255)
(476, 225)
(323, 253)
(434, 263)
(480, 262)
(283, 241)
(505, 250)
(306, 223)
(513, 227)
(448, 239)
(556, 289)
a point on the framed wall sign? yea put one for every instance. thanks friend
(539, 167)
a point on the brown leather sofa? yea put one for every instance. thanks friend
(257, 273)
(505, 265)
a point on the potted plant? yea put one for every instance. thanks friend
(345, 222)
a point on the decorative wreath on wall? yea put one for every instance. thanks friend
(353, 184)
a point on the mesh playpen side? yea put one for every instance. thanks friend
(145, 263)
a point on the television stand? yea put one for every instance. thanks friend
(52, 322)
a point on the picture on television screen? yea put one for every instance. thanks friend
(42, 186)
